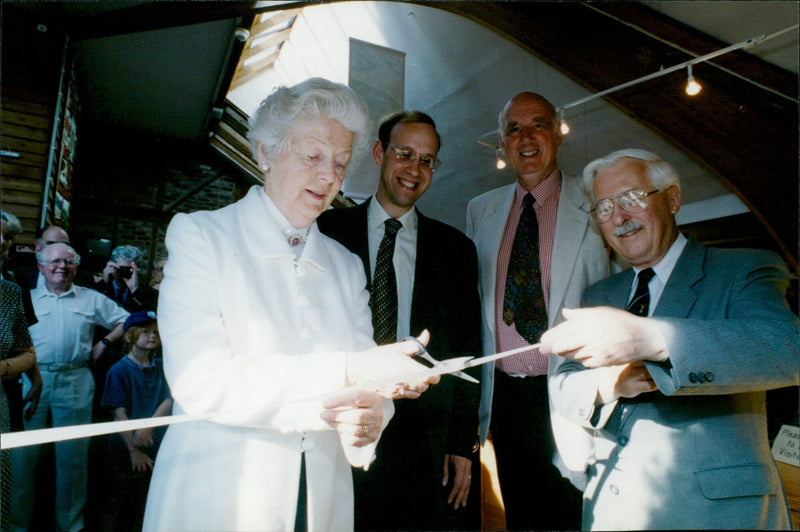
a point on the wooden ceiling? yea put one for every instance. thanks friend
(743, 134)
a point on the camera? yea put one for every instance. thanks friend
(125, 271)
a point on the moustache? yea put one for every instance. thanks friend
(627, 228)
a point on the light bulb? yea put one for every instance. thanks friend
(500, 163)
(693, 88)
(562, 124)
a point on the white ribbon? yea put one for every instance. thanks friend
(11, 440)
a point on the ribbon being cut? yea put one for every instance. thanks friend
(11, 440)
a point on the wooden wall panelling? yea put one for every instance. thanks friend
(26, 122)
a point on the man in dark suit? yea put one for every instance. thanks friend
(423, 473)
(671, 394)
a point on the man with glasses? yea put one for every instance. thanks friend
(67, 315)
(424, 273)
(537, 251)
(672, 389)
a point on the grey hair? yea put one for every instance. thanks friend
(127, 253)
(277, 116)
(41, 255)
(12, 223)
(660, 173)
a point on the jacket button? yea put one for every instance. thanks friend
(623, 440)
(702, 377)
(693, 377)
(710, 376)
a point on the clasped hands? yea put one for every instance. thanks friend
(357, 414)
(612, 339)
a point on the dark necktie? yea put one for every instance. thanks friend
(640, 302)
(383, 298)
(523, 303)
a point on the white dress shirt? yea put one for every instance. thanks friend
(65, 330)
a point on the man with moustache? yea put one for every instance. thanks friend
(422, 476)
(672, 392)
(540, 224)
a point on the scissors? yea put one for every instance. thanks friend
(423, 357)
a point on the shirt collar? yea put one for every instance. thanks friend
(41, 291)
(377, 215)
(667, 263)
(541, 192)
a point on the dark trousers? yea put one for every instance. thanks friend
(535, 495)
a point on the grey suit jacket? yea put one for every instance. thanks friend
(695, 453)
(579, 259)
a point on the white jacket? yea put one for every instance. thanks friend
(249, 332)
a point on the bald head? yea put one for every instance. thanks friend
(530, 138)
(52, 235)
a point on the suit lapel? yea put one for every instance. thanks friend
(679, 294)
(353, 233)
(489, 240)
(571, 224)
(423, 270)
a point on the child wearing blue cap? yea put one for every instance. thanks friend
(135, 389)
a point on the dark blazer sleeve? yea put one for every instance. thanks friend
(447, 303)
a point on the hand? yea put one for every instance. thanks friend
(386, 361)
(357, 415)
(605, 336)
(133, 282)
(628, 381)
(143, 438)
(140, 461)
(109, 271)
(31, 400)
(97, 351)
(462, 479)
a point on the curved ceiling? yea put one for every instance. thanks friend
(161, 68)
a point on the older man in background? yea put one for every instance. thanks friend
(67, 316)
(537, 251)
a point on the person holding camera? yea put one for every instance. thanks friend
(121, 281)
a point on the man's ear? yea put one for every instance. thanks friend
(674, 200)
(377, 152)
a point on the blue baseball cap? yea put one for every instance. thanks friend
(141, 317)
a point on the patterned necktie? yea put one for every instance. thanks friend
(523, 303)
(383, 298)
(640, 302)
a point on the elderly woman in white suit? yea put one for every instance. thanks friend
(264, 321)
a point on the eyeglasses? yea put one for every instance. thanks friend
(406, 156)
(632, 201)
(68, 263)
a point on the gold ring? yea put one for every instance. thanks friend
(364, 431)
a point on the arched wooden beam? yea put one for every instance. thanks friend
(744, 135)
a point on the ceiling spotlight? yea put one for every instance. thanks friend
(562, 124)
(692, 86)
(501, 163)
